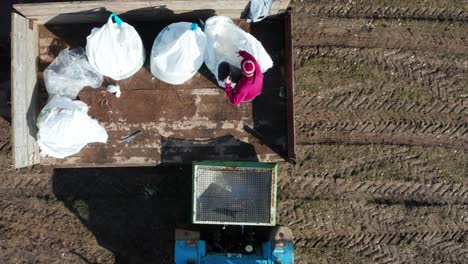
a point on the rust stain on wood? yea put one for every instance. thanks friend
(31, 23)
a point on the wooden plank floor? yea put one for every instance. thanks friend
(179, 124)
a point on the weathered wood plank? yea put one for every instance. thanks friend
(167, 150)
(179, 123)
(96, 11)
(57, 8)
(140, 106)
(152, 148)
(124, 6)
(24, 50)
(177, 126)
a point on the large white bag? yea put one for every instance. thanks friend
(225, 39)
(65, 127)
(178, 52)
(115, 49)
(69, 73)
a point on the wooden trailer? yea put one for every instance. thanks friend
(179, 124)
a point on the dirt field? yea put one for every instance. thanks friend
(382, 172)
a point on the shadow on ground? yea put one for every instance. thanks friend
(133, 212)
(270, 126)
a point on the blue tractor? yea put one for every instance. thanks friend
(234, 217)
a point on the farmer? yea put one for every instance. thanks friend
(250, 83)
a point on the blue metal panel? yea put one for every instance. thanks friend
(201, 250)
(184, 252)
(271, 253)
(266, 251)
(284, 253)
(234, 259)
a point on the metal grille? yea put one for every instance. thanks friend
(233, 195)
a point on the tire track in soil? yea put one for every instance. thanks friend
(401, 158)
(92, 183)
(381, 128)
(48, 225)
(443, 77)
(442, 251)
(47, 229)
(382, 163)
(17, 255)
(359, 33)
(366, 113)
(26, 185)
(113, 208)
(380, 221)
(324, 213)
(360, 99)
(345, 182)
(384, 97)
(373, 246)
(382, 192)
(382, 233)
(351, 168)
(378, 12)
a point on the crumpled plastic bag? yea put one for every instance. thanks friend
(69, 73)
(178, 52)
(225, 39)
(115, 89)
(65, 128)
(259, 10)
(115, 49)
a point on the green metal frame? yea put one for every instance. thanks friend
(241, 164)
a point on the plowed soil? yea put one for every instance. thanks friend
(382, 171)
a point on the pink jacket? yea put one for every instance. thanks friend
(248, 87)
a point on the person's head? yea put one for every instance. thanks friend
(248, 68)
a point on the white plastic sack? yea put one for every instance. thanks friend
(259, 10)
(69, 73)
(178, 52)
(65, 128)
(115, 49)
(225, 39)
